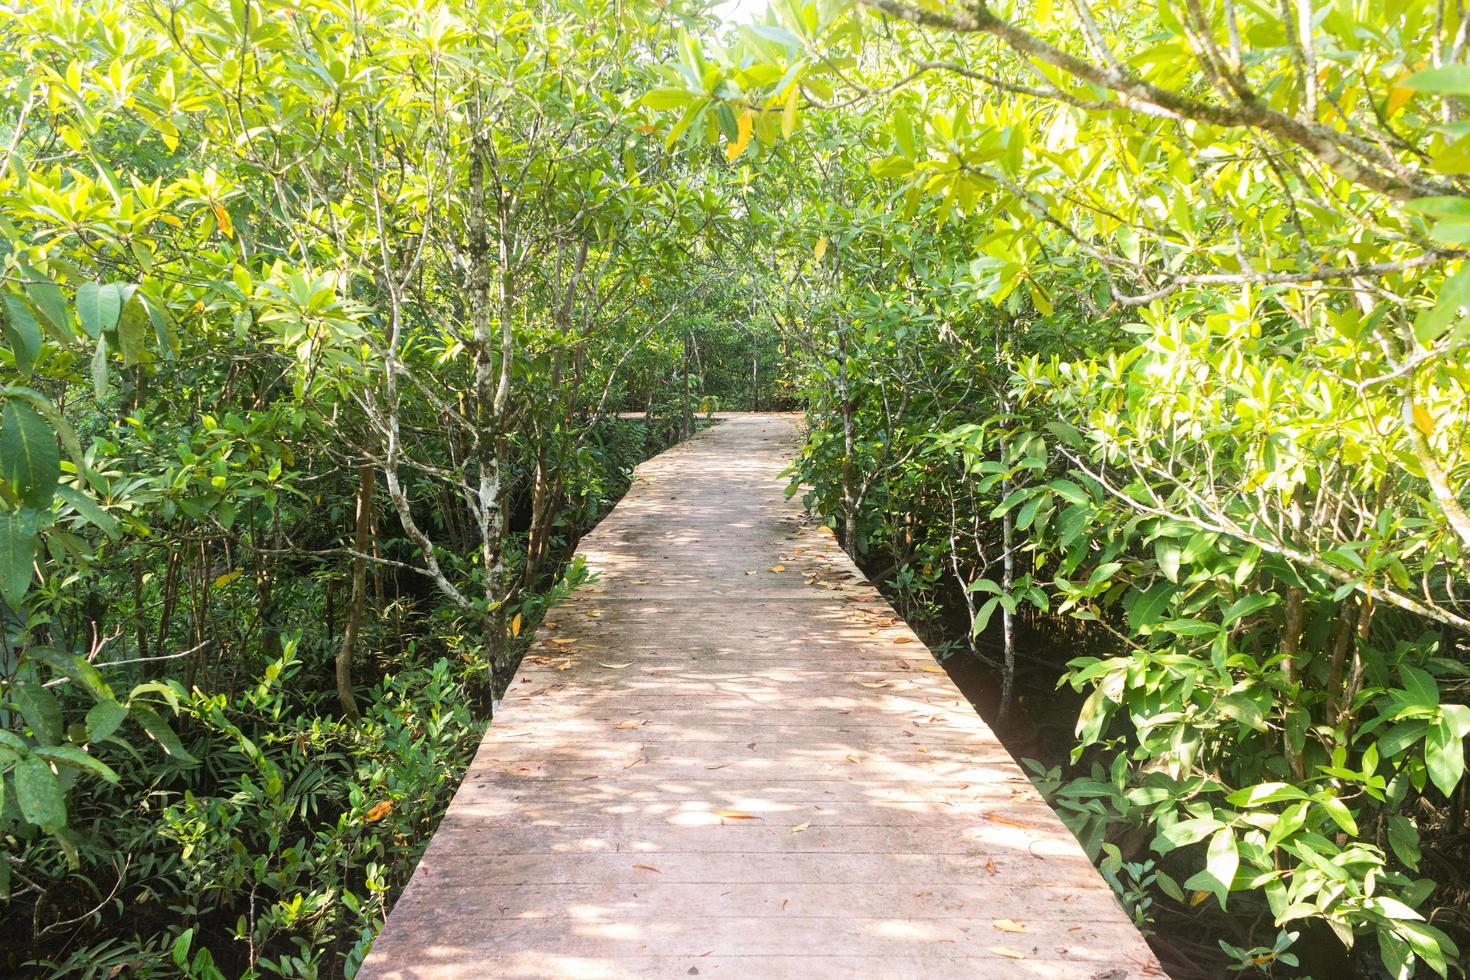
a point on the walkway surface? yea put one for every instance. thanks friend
(730, 758)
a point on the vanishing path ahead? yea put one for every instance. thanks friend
(730, 758)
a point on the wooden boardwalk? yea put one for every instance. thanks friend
(730, 758)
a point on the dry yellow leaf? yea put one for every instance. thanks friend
(618, 666)
(778, 568)
(515, 625)
(1009, 925)
(903, 639)
(801, 827)
(735, 815)
(627, 724)
(853, 758)
(817, 253)
(931, 668)
(1007, 952)
(378, 812)
(873, 683)
(647, 867)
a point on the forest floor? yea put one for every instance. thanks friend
(728, 756)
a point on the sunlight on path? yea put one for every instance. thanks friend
(729, 757)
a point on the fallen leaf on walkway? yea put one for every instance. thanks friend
(873, 683)
(778, 568)
(646, 867)
(990, 865)
(931, 668)
(853, 758)
(720, 766)
(735, 815)
(903, 639)
(1007, 952)
(629, 724)
(922, 749)
(618, 666)
(594, 614)
(801, 827)
(564, 664)
(1009, 925)
(997, 818)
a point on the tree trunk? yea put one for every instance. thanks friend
(361, 542)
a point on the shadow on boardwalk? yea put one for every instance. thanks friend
(730, 758)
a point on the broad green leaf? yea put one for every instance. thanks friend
(1444, 755)
(132, 330)
(98, 307)
(18, 533)
(39, 794)
(22, 334)
(75, 758)
(104, 718)
(1444, 80)
(40, 709)
(29, 457)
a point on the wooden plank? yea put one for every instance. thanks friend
(728, 756)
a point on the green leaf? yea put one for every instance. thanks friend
(132, 330)
(22, 333)
(41, 711)
(75, 758)
(98, 307)
(159, 731)
(100, 387)
(1420, 686)
(46, 295)
(89, 510)
(18, 533)
(1246, 606)
(76, 668)
(1445, 80)
(1403, 838)
(104, 718)
(1221, 862)
(1265, 793)
(39, 794)
(1444, 755)
(1338, 811)
(1244, 710)
(29, 457)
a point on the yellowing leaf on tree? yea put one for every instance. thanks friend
(1422, 419)
(820, 250)
(744, 126)
(515, 625)
(378, 811)
(222, 218)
